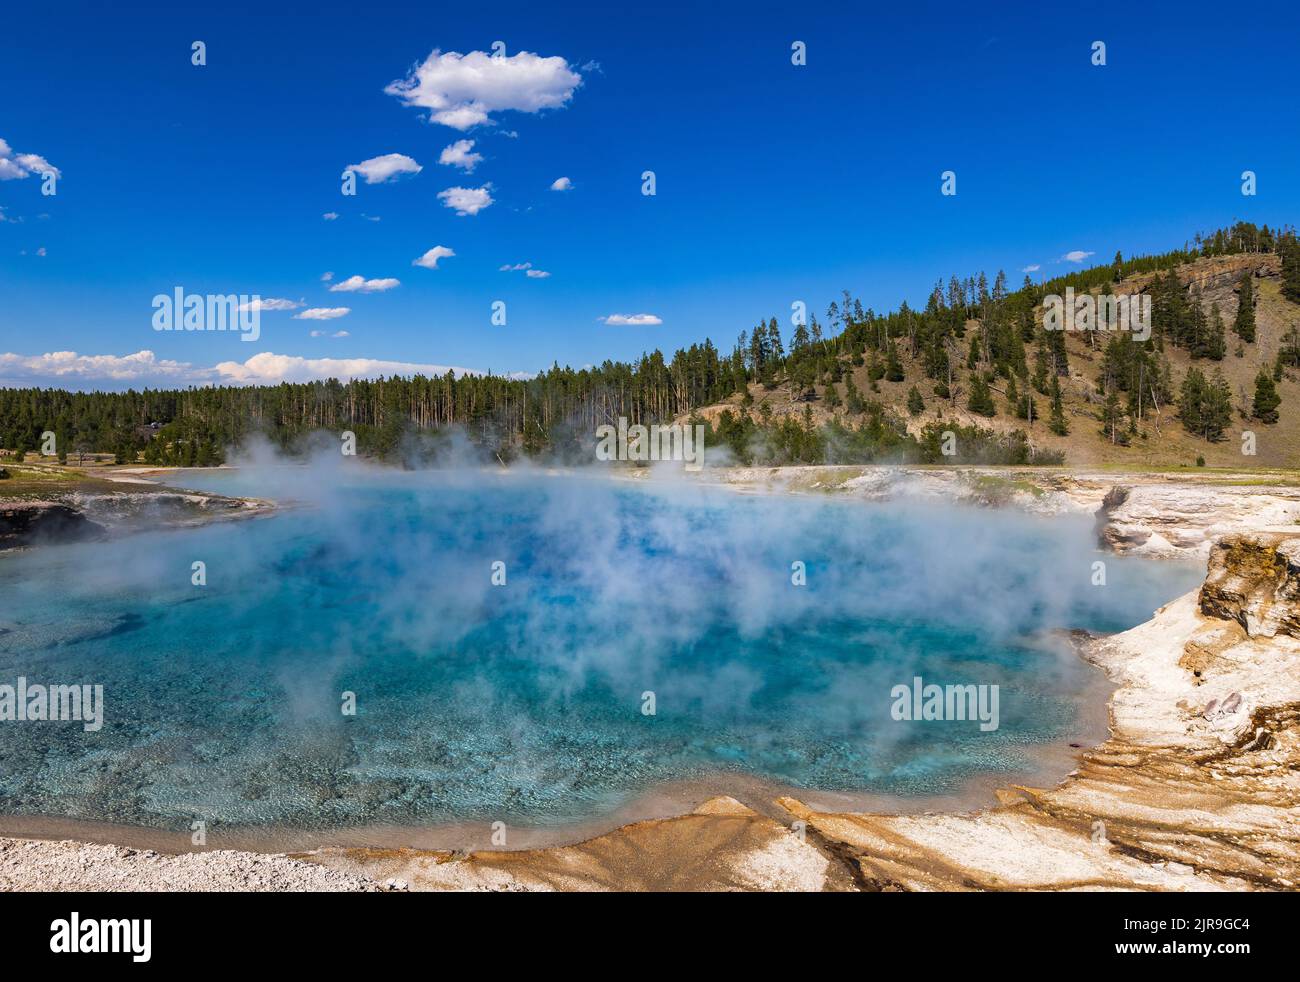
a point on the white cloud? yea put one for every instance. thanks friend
(467, 201)
(327, 334)
(41, 251)
(527, 269)
(1032, 268)
(430, 259)
(329, 216)
(326, 277)
(69, 364)
(358, 284)
(377, 170)
(1077, 256)
(144, 367)
(458, 155)
(322, 313)
(270, 303)
(271, 368)
(561, 184)
(16, 166)
(631, 320)
(461, 91)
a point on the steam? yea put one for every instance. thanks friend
(526, 697)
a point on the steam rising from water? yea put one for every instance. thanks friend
(523, 702)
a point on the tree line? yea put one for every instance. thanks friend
(975, 343)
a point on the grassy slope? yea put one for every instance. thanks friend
(51, 482)
(1166, 444)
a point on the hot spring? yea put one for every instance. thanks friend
(412, 649)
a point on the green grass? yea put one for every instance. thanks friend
(46, 481)
(1000, 487)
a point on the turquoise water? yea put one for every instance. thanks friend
(523, 702)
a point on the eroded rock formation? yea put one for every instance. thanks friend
(28, 523)
(1254, 580)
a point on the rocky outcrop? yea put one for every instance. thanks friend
(78, 516)
(1254, 580)
(1218, 278)
(165, 508)
(1169, 520)
(1215, 279)
(29, 523)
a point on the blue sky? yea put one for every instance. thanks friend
(775, 183)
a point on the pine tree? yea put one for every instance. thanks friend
(1059, 356)
(915, 404)
(1206, 404)
(1171, 317)
(1191, 399)
(1290, 249)
(1111, 418)
(774, 339)
(1266, 398)
(1042, 359)
(1218, 407)
(1244, 324)
(1057, 422)
(1026, 408)
(800, 340)
(893, 366)
(981, 398)
(852, 397)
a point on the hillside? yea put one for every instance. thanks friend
(1161, 441)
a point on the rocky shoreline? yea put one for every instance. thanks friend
(1197, 788)
(80, 516)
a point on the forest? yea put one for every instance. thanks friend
(972, 338)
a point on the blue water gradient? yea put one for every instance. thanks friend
(523, 702)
